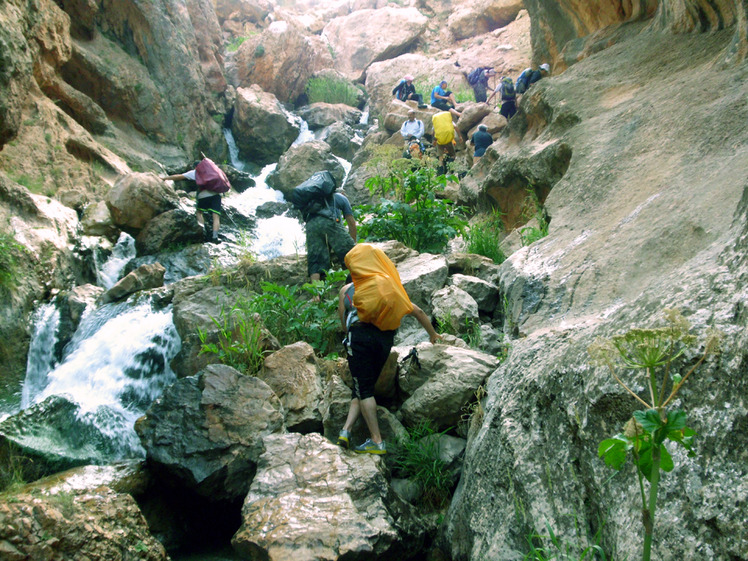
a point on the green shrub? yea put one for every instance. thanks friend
(412, 214)
(531, 234)
(235, 43)
(483, 237)
(331, 90)
(307, 313)
(547, 547)
(259, 50)
(417, 458)
(240, 338)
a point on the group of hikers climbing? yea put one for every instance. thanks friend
(370, 306)
(445, 134)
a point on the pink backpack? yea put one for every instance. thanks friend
(210, 177)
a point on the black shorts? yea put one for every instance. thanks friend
(442, 104)
(369, 348)
(210, 204)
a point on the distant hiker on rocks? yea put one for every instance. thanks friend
(478, 80)
(481, 140)
(405, 90)
(323, 210)
(370, 310)
(444, 99)
(444, 139)
(211, 182)
(508, 97)
(531, 75)
(412, 131)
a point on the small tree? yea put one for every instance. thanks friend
(650, 353)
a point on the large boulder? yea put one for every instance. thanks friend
(455, 308)
(281, 59)
(366, 36)
(207, 430)
(138, 197)
(292, 373)
(485, 294)
(446, 381)
(312, 500)
(476, 18)
(60, 520)
(169, 229)
(342, 140)
(262, 128)
(422, 275)
(142, 278)
(300, 162)
(319, 115)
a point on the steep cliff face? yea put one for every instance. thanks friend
(564, 32)
(649, 214)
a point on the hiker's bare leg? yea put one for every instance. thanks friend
(369, 412)
(216, 222)
(353, 412)
(315, 277)
(455, 112)
(200, 218)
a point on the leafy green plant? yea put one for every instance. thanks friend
(240, 338)
(470, 332)
(649, 356)
(306, 313)
(235, 43)
(417, 458)
(483, 237)
(259, 50)
(413, 214)
(330, 90)
(549, 546)
(10, 252)
(531, 234)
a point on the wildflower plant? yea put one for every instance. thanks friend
(649, 356)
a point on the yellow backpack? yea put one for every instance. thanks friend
(444, 130)
(379, 295)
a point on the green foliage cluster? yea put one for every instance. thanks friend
(235, 43)
(306, 313)
(417, 458)
(470, 332)
(10, 252)
(483, 237)
(531, 234)
(330, 90)
(649, 356)
(549, 546)
(12, 468)
(409, 211)
(240, 338)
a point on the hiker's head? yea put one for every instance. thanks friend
(411, 115)
(408, 78)
(545, 67)
(443, 84)
(483, 128)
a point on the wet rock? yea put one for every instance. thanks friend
(142, 278)
(138, 197)
(319, 115)
(97, 221)
(300, 162)
(261, 127)
(271, 208)
(311, 499)
(207, 430)
(442, 383)
(168, 230)
(240, 180)
(366, 36)
(292, 373)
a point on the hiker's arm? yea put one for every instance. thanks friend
(178, 177)
(341, 305)
(352, 230)
(423, 319)
(490, 97)
(421, 129)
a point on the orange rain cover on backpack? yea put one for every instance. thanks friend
(379, 295)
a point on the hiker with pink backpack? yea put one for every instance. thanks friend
(211, 182)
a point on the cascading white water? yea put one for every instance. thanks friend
(116, 364)
(41, 359)
(108, 274)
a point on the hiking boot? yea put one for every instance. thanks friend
(371, 447)
(344, 439)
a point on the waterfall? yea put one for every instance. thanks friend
(109, 273)
(41, 359)
(116, 364)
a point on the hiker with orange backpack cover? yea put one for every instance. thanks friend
(370, 310)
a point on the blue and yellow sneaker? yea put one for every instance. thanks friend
(344, 439)
(371, 447)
